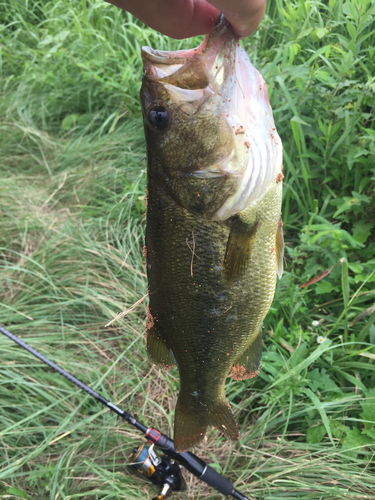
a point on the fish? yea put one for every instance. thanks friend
(214, 238)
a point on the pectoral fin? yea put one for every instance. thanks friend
(240, 242)
(280, 249)
(157, 348)
(248, 364)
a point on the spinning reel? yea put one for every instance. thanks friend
(158, 469)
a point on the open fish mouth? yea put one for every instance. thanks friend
(219, 69)
(198, 67)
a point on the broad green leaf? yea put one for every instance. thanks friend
(370, 131)
(354, 441)
(361, 231)
(347, 203)
(16, 492)
(338, 429)
(305, 363)
(323, 287)
(305, 32)
(318, 34)
(321, 32)
(355, 267)
(314, 435)
(349, 238)
(352, 31)
(320, 379)
(346, 9)
(361, 152)
(368, 407)
(370, 433)
(322, 127)
(69, 121)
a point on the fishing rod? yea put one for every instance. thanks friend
(161, 470)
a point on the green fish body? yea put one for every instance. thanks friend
(214, 240)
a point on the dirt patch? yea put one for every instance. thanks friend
(150, 319)
(240, 130)
(144, 251)
(238, 372)
(279, 177)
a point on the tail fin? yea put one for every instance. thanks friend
(190, 425)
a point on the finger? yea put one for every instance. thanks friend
(244, 15)
(175, 18)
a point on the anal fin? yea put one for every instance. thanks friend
(248, 364)
(157, 347)
(240, 242)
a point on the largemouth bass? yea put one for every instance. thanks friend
(214, 239)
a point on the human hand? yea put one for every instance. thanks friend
(186, 18)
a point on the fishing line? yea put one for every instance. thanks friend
(152, 466)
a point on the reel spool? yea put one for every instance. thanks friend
(158, 469)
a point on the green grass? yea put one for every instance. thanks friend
(72, 203)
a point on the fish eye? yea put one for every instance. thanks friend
(158, 117)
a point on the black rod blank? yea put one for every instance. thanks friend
(191, 462)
